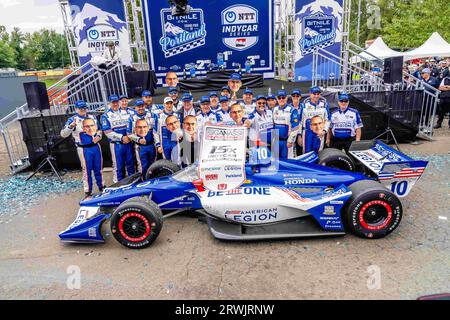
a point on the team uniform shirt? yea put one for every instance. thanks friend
(226, 118)
(309, 109)
(261, 126)
(177, 106)
(129, 110)
(152, 121)
(202, 119)
(285, 120)
(248, 108)
(165, 137)
(116, 123)
(191, 112)
(216, 108)
(156, 108)
(89, 153)
(344, 124)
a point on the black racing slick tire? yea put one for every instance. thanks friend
(373, 211)
(136, 223)
(161, 168)
(337, 159)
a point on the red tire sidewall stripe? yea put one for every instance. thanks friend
(370, 203)
(139, 216)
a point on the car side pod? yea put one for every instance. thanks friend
(85, 231)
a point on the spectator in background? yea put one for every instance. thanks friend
(171, 79)
(432, 81)
(111, 54)
(444, 103)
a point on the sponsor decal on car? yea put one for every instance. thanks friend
(264, 191)
(255, 215)
(329, 210)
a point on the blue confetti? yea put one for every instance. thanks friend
(18, 195)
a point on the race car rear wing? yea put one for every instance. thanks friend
(394, 169)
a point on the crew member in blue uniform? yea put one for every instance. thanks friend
(225, 91)
(286, 125)
(247, 102)
(173, 93)
(261, 123)
(123, 102)
(143, 134)
(206, 116)
(214, 101)
(114, 125)
(188, 107)
(345, 125)
(147, 97)
(271, 101)
(224, 111)
(313, 106)
(87, 135)
(164, 134)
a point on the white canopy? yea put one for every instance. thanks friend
(435, 46)
(378, 49)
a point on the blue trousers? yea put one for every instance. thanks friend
(91, 160)
(145, 156)
(122, 157)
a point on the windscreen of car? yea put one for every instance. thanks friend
(188, 174)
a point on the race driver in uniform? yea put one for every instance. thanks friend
(142, 130)
(313, 106)
(114, 125)
(286, 125)
(87, 136)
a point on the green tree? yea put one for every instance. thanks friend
(7, 55)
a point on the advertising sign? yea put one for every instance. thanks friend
(229, 30)
(318, 24)
(222, 157)
(95, 23)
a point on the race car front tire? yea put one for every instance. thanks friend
(337, 159)
(373, 211)
(161, 168)
(136, 223)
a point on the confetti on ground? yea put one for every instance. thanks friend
(18, 195)
(442, 218)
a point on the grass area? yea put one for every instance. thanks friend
(51, 81)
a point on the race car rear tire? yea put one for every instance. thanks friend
(337, 159)
(136, 223)
(161, 168)
(372, 211)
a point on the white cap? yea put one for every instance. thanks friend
(168, 99)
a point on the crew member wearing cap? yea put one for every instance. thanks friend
(261, 123)
(296, 96)
(123, 102)
(345, 125)
(214, 101)
(188, 107)
(247, 102)
(206, 116)
(173, 93)
(142, 130)
(235, 84)
(224, 111)
(313, 106)
(165, 135)
(87, 136)
(114, 124)
(225, 91)
(271, 101)
(147, 97)
(286, 125)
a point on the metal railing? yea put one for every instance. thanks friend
(334, 73)
(91, 85)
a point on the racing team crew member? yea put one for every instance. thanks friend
(286, 125)
(271, 101)
(123, 102)
(173, 93)
(345, 125)
(234, 84)
(114, 124)
(206, 116)
(224, 112)
(214, 101)
(247, 102)
(164, 134)
(261, 123)
(313, 106)
(84, 130)
(188, 107)
(142, 130)
(296, 96)
(225, 91)
(149, 105)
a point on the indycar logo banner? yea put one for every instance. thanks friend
(95, 23)
(222, 157)
(318, 24)
(238, 31)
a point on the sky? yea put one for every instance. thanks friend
(31, 15)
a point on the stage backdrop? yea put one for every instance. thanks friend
(318, 23)
(95, 23)
(242, 30)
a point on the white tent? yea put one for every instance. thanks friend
(435, 46)
(378, 49)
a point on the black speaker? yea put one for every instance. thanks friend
(393, 70)
(36, 94)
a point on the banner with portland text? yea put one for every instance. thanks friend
(318, 24)
(241, 30)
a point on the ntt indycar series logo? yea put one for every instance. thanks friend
(319, 30)
(240, 27)
(182, 33)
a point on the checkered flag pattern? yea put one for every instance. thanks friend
(185, 47)
(322, 45)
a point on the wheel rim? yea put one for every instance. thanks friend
(375, 215)
(134, 227)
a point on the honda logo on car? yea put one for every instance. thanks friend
(255, 215)
(299, 180)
